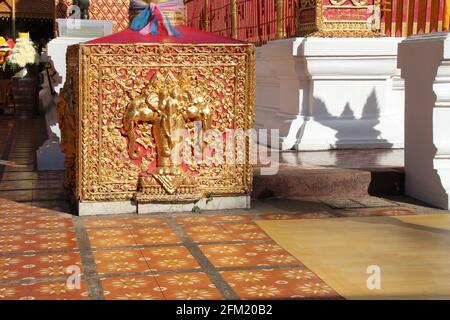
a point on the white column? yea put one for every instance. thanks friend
(425, 64)
(324, 93)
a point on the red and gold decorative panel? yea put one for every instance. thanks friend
(115, 10)
(61, 7)
(339, 17)
(114, 123)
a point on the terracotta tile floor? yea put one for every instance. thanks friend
(222, 255)
(277, 283)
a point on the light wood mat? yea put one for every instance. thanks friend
(413, 253)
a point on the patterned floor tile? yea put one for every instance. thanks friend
(47, 208)
(37, 266)
(298, 215)
(246, 231)
(24, 209)
(40, 241)
(13, 211)
(120, 261)
(225, 232)
(188, 286)
(154, 236)
(378, 212)
(245, 255)
(169, 258)
(114, 237)
(43, 291)
(278, 284)
(208, 233)
(122, 222)
(34, 222)
(5, 203)
(132, 288)
(242, 218)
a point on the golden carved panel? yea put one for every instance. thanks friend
(339, 18)
(125, 98)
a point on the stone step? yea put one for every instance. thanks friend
(300, 181)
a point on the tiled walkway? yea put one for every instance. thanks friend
(222, 255)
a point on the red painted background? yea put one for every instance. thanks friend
(257, 18)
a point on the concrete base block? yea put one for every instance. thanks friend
(102, 208)
(129, 207)
(219, 203)
(349, 97)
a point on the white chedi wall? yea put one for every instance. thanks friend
(324, 93)
(425, 64)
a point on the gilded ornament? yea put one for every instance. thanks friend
(133, 100)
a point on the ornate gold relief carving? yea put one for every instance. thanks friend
(339, 18)
(131, 101)
(66, 119)
(169, 102)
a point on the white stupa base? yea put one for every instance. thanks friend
(425, 64)
(325, 93)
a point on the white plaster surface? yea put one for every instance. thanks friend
(324, 93)
(425, 64)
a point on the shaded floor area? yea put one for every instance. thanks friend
(348, 159)
(206, 255)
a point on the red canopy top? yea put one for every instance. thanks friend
(189, 36)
